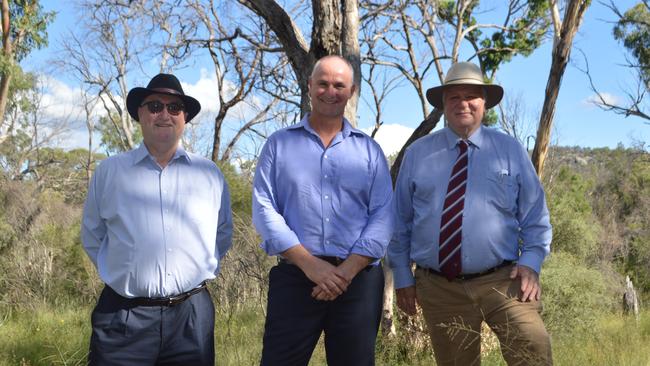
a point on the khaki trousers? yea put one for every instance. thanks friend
(454, 311)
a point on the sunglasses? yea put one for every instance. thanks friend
(173, 108)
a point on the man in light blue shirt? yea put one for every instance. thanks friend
(321, 202)
(156, 224)
(468, 207)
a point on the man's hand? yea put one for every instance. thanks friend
(347, 270)
(406, 299)
(323, 274)
(530, 288)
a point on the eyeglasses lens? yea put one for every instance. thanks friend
(155, 106)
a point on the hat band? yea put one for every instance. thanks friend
(466, 81)
(166, 91)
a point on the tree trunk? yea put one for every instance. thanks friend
(351, 51)
(561, 51)
(5, 78)
(335, 31)
(423, 129)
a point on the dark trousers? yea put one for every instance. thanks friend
(125, 334)
(294, 320)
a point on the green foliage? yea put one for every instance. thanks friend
(240, 190)
(29, 25)
(490, 118)
(522, 37)
(45, 336)
(574, 295)
(615, 340)
(575, 230)
(622, 195)
(113, 139)
(633, 28)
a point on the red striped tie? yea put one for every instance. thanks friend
(451, 222)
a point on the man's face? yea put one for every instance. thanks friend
(161, 127)
(330, 88)
(464, 107)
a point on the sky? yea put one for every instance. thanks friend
(577, 121)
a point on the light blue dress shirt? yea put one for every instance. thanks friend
(154, 232)
(335, 201)
(505, 215)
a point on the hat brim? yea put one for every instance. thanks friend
(136, 96)
(494, 93)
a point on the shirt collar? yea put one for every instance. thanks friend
(345, 132)
(476, 139)
(141, 153)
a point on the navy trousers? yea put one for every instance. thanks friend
(295, 321)
(124, 334)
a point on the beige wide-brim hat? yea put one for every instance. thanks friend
(465, 73)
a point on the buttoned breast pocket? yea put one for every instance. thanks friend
(502, 190)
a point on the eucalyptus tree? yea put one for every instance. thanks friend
(564, 31)
(24, 28)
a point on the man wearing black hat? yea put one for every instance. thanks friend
(156, 224)
(471, 214)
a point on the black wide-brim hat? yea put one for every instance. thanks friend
(161, 84)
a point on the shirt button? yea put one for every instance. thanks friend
(325, 156)
(327, 241)
(169, 274)
(325, 176)
(327, 197)
(169, 250)
(327, 219)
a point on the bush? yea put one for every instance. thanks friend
(575, 230)
(574, 295)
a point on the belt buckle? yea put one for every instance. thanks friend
(173, 300)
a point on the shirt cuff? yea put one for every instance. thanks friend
(280, 244)
(532, 259)
(403, 277)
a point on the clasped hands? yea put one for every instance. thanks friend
(331, 281)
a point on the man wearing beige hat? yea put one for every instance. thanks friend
(471, 214)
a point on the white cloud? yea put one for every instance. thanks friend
(60, 101)
(610, 99)
(391, 137)
(205, 90)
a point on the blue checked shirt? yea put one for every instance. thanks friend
(334, 201)
(505, 215)
(155, 232)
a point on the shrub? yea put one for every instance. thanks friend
(574, 295)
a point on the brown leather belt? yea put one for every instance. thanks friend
(469, 276)
(164, 301)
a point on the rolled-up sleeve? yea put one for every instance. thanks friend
(399, 248)
(277, 237)
(377, 234)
